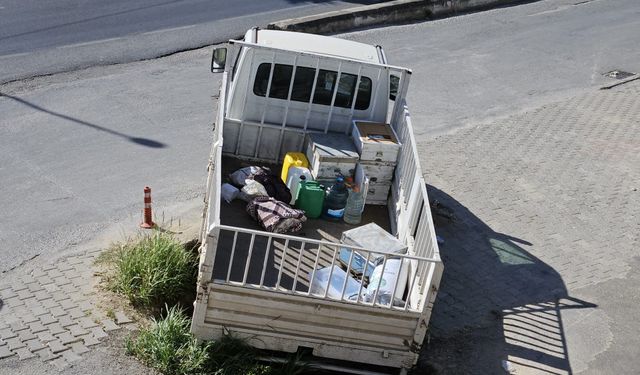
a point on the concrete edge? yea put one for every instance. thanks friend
(634, 77)
(391, 12)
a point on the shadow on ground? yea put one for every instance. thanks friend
(137, 140)
(498, 305)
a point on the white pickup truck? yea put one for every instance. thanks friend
(277, 87)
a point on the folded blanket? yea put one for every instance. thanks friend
(276, 216)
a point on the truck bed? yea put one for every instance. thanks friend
(255, 284)
(234, 214)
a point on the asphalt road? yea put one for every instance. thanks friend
(41, 37)
(482, 66)
(76, 149)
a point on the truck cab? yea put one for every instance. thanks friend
(308, 82)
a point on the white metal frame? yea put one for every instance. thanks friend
(319, 250)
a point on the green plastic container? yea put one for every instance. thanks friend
(310, 198)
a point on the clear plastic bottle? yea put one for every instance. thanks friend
(354, 208)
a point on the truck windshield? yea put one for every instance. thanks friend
(303, 85)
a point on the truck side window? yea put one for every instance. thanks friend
(364, 94)
(280, 81)
(303, 85)
(324, 87)
(346, 87)
(262, 80)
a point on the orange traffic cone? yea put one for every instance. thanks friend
(148, 222)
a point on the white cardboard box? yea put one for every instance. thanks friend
(375, 193)
(330, 155)
(378, 193)
(375, 141)
(378, 171)
(373, 237)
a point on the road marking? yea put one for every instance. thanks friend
(171, 29)
(89, 43)
(563, 7)
(14, 55)
(555, 10)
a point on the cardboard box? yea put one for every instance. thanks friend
(375, 193)
(331, 155)
(378, 171)
(371, 236)
(375, 141)
(378, 193)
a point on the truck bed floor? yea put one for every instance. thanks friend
(235, 215)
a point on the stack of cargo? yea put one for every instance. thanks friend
(331, 155)
(378, 148)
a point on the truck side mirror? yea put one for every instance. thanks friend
(218, 60)
(394, 81)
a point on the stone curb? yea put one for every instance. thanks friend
(398, 11)
(634, 77)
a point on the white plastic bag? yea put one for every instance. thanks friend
(229, 192)
(396, 272)
(253, 188)
(239, 177)
(321, 281)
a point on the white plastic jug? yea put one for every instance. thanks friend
(293, 179)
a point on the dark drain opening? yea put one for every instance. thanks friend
(619, 74)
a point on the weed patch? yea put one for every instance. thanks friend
(154, 271)
(168, 346)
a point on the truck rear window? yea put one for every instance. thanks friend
(302, 87)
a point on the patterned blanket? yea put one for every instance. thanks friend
(276, 216)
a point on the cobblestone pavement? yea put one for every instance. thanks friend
(49, 313)
(541, 264)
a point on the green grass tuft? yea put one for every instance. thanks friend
(169, 347)
(154, 271)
